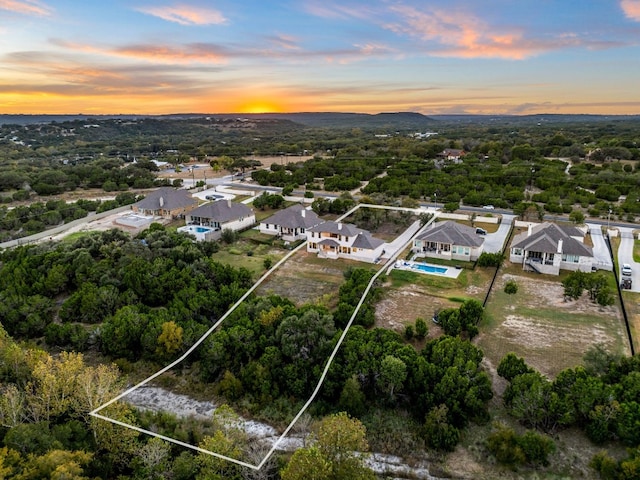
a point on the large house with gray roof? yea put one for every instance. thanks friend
(290, 224)
(548, 248)
(344, 240)
(222, 215)
(166, 202)
(450, 241)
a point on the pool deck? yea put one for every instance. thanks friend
(452, 272)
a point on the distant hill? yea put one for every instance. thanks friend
(387, 121)
(531, 119)
(381, 122)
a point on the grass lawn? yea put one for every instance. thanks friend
(632, 305)
(305, 278)
(248, 254)
(538, 325)
(636, 250)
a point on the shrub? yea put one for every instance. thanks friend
(512, 449)
(421, 328)
(490, 259)
(228, 236)
(511, 287)
(408, 332)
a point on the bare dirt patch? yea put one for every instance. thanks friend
(551, 334)
(304, 278)
(401, 307)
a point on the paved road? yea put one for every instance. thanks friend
(600, 250)
(625, 255)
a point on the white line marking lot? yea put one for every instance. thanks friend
(391, 258)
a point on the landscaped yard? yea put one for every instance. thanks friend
(536, 323)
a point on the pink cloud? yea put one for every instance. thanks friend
(460, 34)
(631, 9)
(27, 7)
(197, 52)
(190, 53)
(186, 14)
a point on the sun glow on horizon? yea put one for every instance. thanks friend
(260, 106)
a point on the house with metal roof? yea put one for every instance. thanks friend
(450, 241)
(290, 224)
(166, 202)
(548, 248)
(344, 240)
(222, 215)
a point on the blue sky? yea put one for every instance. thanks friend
(454, 56)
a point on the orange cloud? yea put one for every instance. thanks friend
(186, 14)
(631, 9)
(26, 7)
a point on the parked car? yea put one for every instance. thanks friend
(481, 231)
(488, 207)
(626, 270)
(214, 197)
(625, 284)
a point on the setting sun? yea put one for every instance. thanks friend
(259, 107)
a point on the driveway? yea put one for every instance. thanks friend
(625, 255)
(494, 242)
(601, 253)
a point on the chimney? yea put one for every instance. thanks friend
(161, 202)
(339, 226)
(303, 212)
(559, 246)
(228, 203)
(529, 230)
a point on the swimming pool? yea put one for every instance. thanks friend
(428, 269)
(198, 231)
(423, 267)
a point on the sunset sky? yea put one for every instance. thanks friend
(232, 56)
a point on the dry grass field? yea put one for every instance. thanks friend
(536, 323)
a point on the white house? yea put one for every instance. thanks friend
(450, 241)
(222, 215)
(290, 224)
(549, 248)
(344, 240)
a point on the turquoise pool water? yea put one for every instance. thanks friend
(428, 268)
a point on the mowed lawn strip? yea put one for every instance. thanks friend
(632, 306)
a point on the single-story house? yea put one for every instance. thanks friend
(222, 215)
(454, 154)
(344, 240)
(166, 202)
(290, 224)
(450, 241)
(549, 248)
